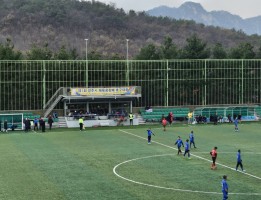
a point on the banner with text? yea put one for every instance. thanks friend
(110, 91)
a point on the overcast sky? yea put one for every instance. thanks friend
(243, 8)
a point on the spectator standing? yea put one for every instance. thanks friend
(42, 124)
(229, 118)
(36, 121)
(131, 116)
(120, 120)
(236, 124)
(81, 123)
(5, 126)
(170, 118)
(50, 122)
(55, 115)
(190, 114)
(27, 125)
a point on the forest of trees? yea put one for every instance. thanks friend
(55, 30)
(195, 48)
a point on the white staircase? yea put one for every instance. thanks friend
(141, 120)
(62, 122)
(54, 100)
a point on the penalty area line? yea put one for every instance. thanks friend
(225, 166)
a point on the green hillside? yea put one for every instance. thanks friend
(67, 22)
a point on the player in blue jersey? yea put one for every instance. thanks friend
(239, 160)
(149, 135)
(192, 139)
(236, 124)
(179, 143)
(187, 148)
(224, 187)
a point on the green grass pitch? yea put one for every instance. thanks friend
(118, 163)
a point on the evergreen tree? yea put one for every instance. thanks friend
(40, 53)
(195, 49)
(243, 51)
(149, 52)
(219, 52)
(169, 50)
(7, 51)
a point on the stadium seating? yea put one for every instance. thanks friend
(156, 114)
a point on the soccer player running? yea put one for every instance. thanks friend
(187, 149)
(191, 138)
(149, 135)
(239, 160)
(224, 187)
(213, 154)
(236, 124)
(179, 143)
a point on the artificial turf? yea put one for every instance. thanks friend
(117, 163)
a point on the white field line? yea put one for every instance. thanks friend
(167, 188)
(193, 155)
(155, 186)
(175, 189)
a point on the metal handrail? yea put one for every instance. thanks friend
(59, 91)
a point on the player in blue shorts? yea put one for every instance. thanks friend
(224, 187)
(187, 148)
(179, 143)
(239, 160)
(192, 139)
(149, 135)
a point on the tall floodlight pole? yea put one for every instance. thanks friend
(127, 61)
(86, 70)
(167, 85)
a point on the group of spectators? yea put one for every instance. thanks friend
(77, 114)
(217, 119)
(5, 126)
(37, 124)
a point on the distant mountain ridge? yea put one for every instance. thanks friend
(224, 19)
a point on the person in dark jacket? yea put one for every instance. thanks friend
(42, 124)
(50, 122)
(5, 126)
(27, 125)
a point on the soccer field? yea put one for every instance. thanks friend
(118, 163)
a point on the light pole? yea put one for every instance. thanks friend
(127, 61)
(86, 70)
